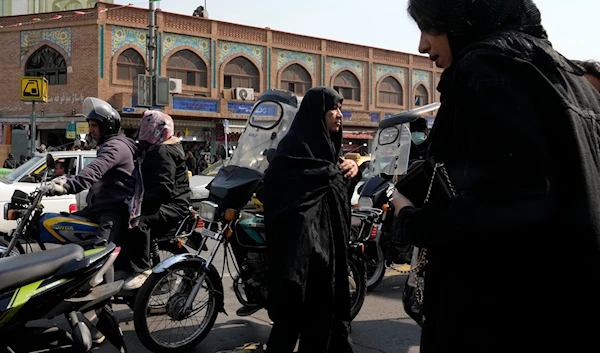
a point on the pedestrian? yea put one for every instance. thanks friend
(200, 12)
(518, 134)
(419, 144)
(190, 162)
(592, 72)
(42, 148)
(22, 160)
(307, 190)
(10, 162)
(202, 164)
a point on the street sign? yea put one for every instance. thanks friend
(226, 126)
(128, 110)
(82, 128)
(144, 91)
(71, 132)
(34, 89)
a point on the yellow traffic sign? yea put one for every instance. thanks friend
(34, 89)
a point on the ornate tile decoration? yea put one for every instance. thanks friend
(338, 63)
(61, 37)
(421, 76)
(285, 56)
(228, 49)
(126, 35)
(398, 72)
(172, 41)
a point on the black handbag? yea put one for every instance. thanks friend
(427, 181)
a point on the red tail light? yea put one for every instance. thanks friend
(374, 232)
(72, 208)
(200, 223)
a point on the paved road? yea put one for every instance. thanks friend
(381, 326)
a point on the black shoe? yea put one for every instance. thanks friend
(247, 310)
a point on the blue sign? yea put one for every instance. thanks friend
(239, 108)
(374, 117)
(128, 109)
(195, 105)
(430, 122)
(347, 115)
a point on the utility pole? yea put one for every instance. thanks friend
(152, 39)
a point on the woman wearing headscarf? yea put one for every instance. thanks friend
(514, 259)
(307, 191)
(162, 196)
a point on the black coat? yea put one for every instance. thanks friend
(307, 216)
(514, 261)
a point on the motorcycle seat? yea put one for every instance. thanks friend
(16, 271)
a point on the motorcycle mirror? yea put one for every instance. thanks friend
(50, 163)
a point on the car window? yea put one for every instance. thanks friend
(214, 168)
(65, 166)
(15, 174)
(87, 160)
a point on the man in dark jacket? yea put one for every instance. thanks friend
(10, 162)
(109, 177)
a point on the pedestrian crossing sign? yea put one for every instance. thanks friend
(34, 89)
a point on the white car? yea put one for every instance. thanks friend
(28, 176)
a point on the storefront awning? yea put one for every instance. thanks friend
(179, 124)
(361, 136)
(42, 122)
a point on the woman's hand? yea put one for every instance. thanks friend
(400, 201)
(349, 168)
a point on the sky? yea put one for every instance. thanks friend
(571, 25)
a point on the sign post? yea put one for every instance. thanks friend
(33, 89)
(226, 131)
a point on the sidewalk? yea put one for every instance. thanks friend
(247, 348)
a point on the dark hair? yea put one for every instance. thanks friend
(591, 67)
(428, 19)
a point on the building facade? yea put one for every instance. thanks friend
(25, 7)
(100, 51)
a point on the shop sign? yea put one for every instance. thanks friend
(347, 114)
(82, 128)
(195, 105)
(374, 117)
(71, 131)
(239, 108)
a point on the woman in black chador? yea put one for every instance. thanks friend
(307, 192)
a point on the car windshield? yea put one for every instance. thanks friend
(213, 168)
(15, 174)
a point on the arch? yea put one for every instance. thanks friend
(36, 47)
(295, 77)
(49, 63)
(421, 95)
(128, 63)
(390, 90)
(188, 66)
(347, 84)
(241, 71)
(60, 5)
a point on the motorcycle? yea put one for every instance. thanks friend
(62, 281)
(35, 226)
(374, 216)
(232, 219)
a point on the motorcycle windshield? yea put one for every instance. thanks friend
(269, 122)
(391, 151)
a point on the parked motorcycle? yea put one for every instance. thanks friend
(62, 281)
(231, 219)
(35, 226)
(374, 216)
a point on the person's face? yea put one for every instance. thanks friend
(59, 170)
(594, 81)
(438, 48)
(94, 129)
(333, 118)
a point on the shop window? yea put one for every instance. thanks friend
(421, 96)
(240, 72)
(129, 65)
(188, 67)
(347, 85)
(49, 63)
(296, 79)
(390, 91)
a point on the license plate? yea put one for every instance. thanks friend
(209, 233)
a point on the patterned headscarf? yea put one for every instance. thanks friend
(156, 127)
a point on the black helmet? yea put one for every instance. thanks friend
(98, 110)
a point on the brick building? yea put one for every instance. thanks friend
(98, 52)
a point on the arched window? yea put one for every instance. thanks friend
(129, 65)
(188, 67)
(390, 91)
(347, 85)
(296, 79)
(240, 72)
(48, 63)
(421, 96)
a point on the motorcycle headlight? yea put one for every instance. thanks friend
(208, 211)
(365, 201)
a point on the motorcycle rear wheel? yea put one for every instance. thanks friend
(16, 251)
(376, 272)
(171, 310)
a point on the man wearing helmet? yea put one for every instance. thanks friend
(109, 177)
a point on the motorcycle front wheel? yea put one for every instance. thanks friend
(161, 323)
(376, 272)
(357, 277)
